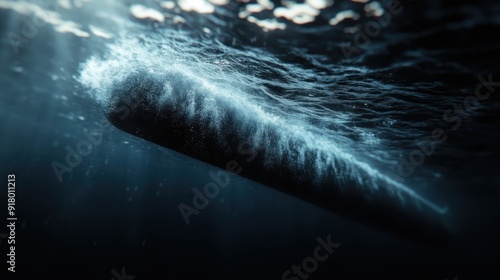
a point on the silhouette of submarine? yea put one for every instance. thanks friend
(225, 130)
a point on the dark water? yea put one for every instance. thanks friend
(367, 109)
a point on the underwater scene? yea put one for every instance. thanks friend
(250, 139)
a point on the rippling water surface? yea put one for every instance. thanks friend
(359, 113)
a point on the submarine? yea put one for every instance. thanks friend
(184, 113)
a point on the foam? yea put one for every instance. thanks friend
(206, 92)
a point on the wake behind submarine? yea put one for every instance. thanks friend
(224, 129)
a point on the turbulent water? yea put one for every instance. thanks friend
(338, 114)
(300, 79)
